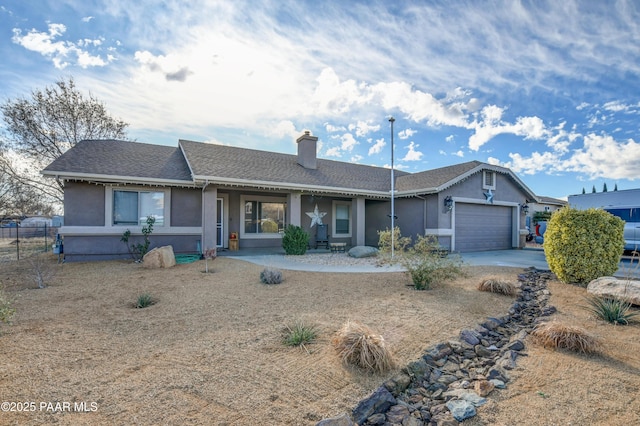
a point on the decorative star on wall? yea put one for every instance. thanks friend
(489, 196)
(316, 216)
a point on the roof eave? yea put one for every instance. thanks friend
(290, 186)
(97, 178)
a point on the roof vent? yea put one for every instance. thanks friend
(307, 150)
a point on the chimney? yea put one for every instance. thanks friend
(307, 151)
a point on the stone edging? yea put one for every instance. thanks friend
(451, 379)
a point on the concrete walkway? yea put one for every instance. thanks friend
(514, 258)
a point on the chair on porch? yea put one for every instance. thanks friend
(322, 236)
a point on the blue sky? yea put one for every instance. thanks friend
(549, 89)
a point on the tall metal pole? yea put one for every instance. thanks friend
(393, 209)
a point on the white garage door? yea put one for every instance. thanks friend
(483, 227)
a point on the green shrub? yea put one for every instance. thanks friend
(400, 243)
(582, 245)
(270, 276)
(427, 263)
(144, 300)
(295, 240)
(612, 310)
(299, 333)
(6, 310)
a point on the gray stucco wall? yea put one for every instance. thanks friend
(186, 207)
(83, 204)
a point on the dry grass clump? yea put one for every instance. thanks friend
(359, 346)
(561, 336)
(498, 286)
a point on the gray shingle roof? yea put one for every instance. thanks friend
(434, 178)
(221, 161)
(121, 159)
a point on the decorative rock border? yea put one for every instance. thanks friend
(451, 379)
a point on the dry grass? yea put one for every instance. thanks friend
(561, 336)
(498, 286)
(359, 346)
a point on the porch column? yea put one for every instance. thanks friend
(209, 217)
(294, 206)
(358, 203)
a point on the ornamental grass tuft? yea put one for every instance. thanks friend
(497, 286)
(357, 345)
(561, 336)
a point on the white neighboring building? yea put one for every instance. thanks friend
(627, 197)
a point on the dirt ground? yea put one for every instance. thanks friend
(209, 350)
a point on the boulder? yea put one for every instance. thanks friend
(341, 420)
(159, 257)
(362, 251)
(616, 288)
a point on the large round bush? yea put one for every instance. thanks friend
(582, 245)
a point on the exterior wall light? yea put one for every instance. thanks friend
(525, 208)
(448, 203)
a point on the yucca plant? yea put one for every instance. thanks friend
(144, 300)
(615, 311)
(299, 333)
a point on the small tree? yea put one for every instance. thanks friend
(593, 189)
(604, 187)
(138, 250)
(295, 240)
(427, 263)
(209, 254)
(582, 245)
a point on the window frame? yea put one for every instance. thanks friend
(486, 173)
(334, 218)
(244, 199)
(109, 204)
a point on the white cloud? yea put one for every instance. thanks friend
(61, 53)
(604, 157)
(459, 153)
(412, 154)
(333, 152)
(363, 128)
(492, 125)
(377, 147)
(450, 138)
(356, 158)
(407, 133)
(331, 128)
(348, 142)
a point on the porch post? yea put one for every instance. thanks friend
(294, 206)
(360, 216)
(209, 217)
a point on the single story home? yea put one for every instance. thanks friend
(201, 194)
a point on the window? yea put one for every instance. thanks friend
(342, 219)
(264, 217)
(488, 179)
(133, 207)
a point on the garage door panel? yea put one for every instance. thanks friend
(483, 227)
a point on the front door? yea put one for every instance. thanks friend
(220, 222)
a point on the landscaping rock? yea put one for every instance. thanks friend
(436, 389)
(159, 257)
(362, 251)
(613, 287)
(341, 420)
(461, 410)
(378, 402)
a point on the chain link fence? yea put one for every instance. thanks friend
(19, 242)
